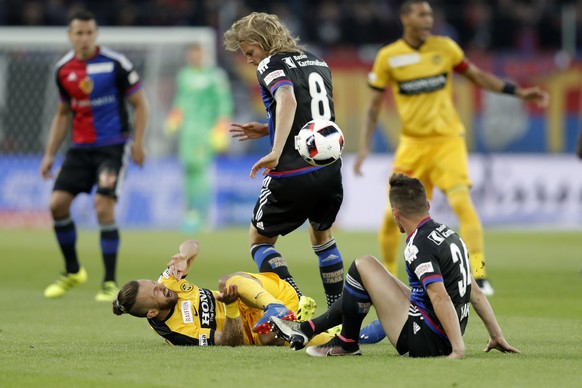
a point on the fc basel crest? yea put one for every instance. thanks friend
(186, 287)
(86, 85)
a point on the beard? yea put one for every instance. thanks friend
(170, 301)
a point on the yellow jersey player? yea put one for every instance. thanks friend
(185, 314)
(418, 68)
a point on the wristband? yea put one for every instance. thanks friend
(509, 88)
(232, 311)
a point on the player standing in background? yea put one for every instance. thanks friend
(428, 318)
(419, 70)
(93, 84)
(296, 87)
(201, 113)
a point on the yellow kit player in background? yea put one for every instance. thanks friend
(419, 70)
(184, 314)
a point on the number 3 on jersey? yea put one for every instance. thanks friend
(461, 257)
(320, 108)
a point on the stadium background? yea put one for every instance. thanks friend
(522, 162)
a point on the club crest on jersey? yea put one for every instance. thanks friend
(186, 287)
(435, 237)
(410, 253)
(86, 85)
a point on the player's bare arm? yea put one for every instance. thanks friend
(248, 131)
(141, 116)
(285, 112)
(445, 311)
(59, 128)
(232, 331)
(181, 262)
(493, 83)
(369, 126)
(481, 305)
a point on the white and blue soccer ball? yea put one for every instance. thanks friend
(320, 142)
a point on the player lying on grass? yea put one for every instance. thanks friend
(426, 319)
(185, 314)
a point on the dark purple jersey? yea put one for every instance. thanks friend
(435, 253)
(310, 78)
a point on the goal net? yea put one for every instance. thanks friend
(29, 96)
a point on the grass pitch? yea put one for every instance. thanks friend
(77, 342)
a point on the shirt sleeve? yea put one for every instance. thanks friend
(128, 79)
(458, 60)
(272, 74)
(426, 270)
(379, 77)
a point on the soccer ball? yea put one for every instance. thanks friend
(320, 142)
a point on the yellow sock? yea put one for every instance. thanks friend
(471, 229)
(389, 238)
(251, 292)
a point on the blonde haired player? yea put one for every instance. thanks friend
(419, 70)
(185, 314)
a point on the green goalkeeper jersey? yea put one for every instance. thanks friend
(203, 96)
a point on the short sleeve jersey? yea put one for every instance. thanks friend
(96, 89)
(310, 78)
(421, 82)
(196, 316)
(435, 253)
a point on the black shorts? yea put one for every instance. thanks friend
(84, 168)
(284, 204)
(418, 340)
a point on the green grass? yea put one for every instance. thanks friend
(76, 342)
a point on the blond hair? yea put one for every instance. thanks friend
(263, 30)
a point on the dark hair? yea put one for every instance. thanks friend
(406, 7)
(408, 195)
(126, 300)
(84, 15)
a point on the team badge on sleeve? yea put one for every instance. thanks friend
(273, 75)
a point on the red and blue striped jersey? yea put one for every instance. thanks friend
(96, 90)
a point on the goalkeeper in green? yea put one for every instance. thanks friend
(200, 115)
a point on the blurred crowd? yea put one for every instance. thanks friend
(521, 25)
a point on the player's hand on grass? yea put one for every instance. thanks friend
(252, 130)
(456, 355)
(500, 344)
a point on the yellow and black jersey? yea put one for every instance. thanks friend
(421, 82)
(196, 316)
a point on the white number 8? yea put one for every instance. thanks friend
(320, 108)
